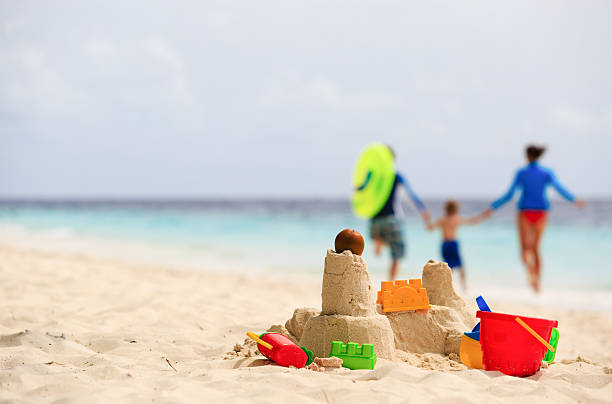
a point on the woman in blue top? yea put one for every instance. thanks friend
(533, 180)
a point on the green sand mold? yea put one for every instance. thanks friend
(554, 341)
(310, 355)
(353, 355)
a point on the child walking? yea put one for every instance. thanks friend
(450, 247)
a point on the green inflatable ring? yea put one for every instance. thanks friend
(373, 179)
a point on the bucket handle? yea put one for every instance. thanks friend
(535, 334)
(255, 337)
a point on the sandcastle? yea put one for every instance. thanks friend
(348, 309)
(350, 313)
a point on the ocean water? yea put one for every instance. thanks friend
(290, 238)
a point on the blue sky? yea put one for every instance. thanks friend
(209, 99)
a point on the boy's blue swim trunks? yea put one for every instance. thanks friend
(389, 229)
(450, 253)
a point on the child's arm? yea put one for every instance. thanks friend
(475, 219)
(431, 226)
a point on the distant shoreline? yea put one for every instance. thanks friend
(231, 201)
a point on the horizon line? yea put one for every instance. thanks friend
(243, 198)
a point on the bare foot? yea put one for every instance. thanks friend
(533, 282)
(536, 284)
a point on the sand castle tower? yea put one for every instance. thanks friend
(348, 309)
(440, 328)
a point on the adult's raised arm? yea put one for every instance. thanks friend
(505, 198)
(564, 192)
(415, 199)
(560, 188)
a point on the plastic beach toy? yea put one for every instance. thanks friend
(470, 351)
(509, 347)
(482, 306)
(281, 349)
(554, 341)
(373, 179)
(353, 355)
(535, 334)
(402, 295)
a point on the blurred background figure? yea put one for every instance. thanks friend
(450, 246)
(532, 181)
(386, 225)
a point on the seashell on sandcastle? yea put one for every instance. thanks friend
(350, 312)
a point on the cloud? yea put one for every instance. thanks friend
(164, 55)
(32, 82)
(579, 121)
(322, 92)
(100, 49)
(160, 50)
(13, 25)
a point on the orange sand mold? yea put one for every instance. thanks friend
(402, 295)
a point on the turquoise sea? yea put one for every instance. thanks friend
(290, 238)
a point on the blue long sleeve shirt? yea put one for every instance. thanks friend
(533, 180)
(389, 208)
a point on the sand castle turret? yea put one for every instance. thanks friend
(438, 329)
(348, 309)
(347, 289)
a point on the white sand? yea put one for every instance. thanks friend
(78, 330)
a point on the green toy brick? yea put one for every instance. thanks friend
(353, 355)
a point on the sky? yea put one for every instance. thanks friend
(236, 99)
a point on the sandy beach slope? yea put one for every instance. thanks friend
(81, 330)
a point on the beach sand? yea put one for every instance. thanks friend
(81, 330)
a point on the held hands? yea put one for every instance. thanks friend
(485, 214)
(427, 219)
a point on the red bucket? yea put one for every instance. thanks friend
(510, 348)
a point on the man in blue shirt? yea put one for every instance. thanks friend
(385, 226)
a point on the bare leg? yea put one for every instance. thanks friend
(378, 245)
(393, 273)
(539, 230)
(462, 277)
(522, 232)
(526, 236)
